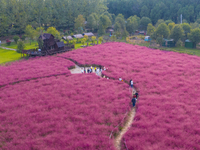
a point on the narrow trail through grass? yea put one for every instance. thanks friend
(130, 116)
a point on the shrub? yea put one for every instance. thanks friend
(8, 42)
(20, 46)
(86, 37)
(100, 39)
(83, 41)
(93, 39)
(113, 38)
(179, 43)
(16, 38)
(127, 39)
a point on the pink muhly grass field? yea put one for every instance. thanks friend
(168, 115)
(34, 68)
(59, 112)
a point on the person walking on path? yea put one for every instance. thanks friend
(95, 69)
(131, 83)
(91, 69)
(84, 70)
(133, 101)
(0, 42)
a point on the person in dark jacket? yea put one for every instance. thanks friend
(136, 95)
(133, 101)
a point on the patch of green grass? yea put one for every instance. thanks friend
(8, 55)
(13, 45)
(189, 51)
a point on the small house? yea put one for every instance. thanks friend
(169, 43)
(67, 38)
(189, 44)
(90, 34)
(78, 36)
(50, 43)
(59, 46)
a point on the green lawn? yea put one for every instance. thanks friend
(13, 45)
(8, 55)
(189, 51)
(186, 50)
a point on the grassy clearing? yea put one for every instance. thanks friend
(8, 55)
(189, 51)
(28, 46)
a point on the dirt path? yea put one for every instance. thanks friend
(127, 125)
(7, 48)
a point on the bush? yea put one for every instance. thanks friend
(20, 46)
(93, 39)
(86, 37)
(179, 43)
(127, 39)
(113, 38)
(8, 42)
(100, 39)
(16, 38)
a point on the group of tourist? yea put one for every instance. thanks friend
(93, 69)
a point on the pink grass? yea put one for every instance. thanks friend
(169, 84)
(34, 68)
(74, 112)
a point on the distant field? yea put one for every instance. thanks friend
(8, 55)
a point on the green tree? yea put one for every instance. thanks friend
(162, 30)
(144, 23)
(144, 11)
(150, 29)
(159, 22)
(194, 25)
(20, 46)
(186, 27)
(101, 30)
(171, 25)
(30, 32)
(177, 32)
(104, 22)
(16, 38)
(117, 27)
(168, 21)
(132, 24)
(91, 22)
(40, 43)
(54, 32)
(194, 35)
(79, 23)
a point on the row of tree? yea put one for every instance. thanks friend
(177, 32)
(15, 15)
(157, 9)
